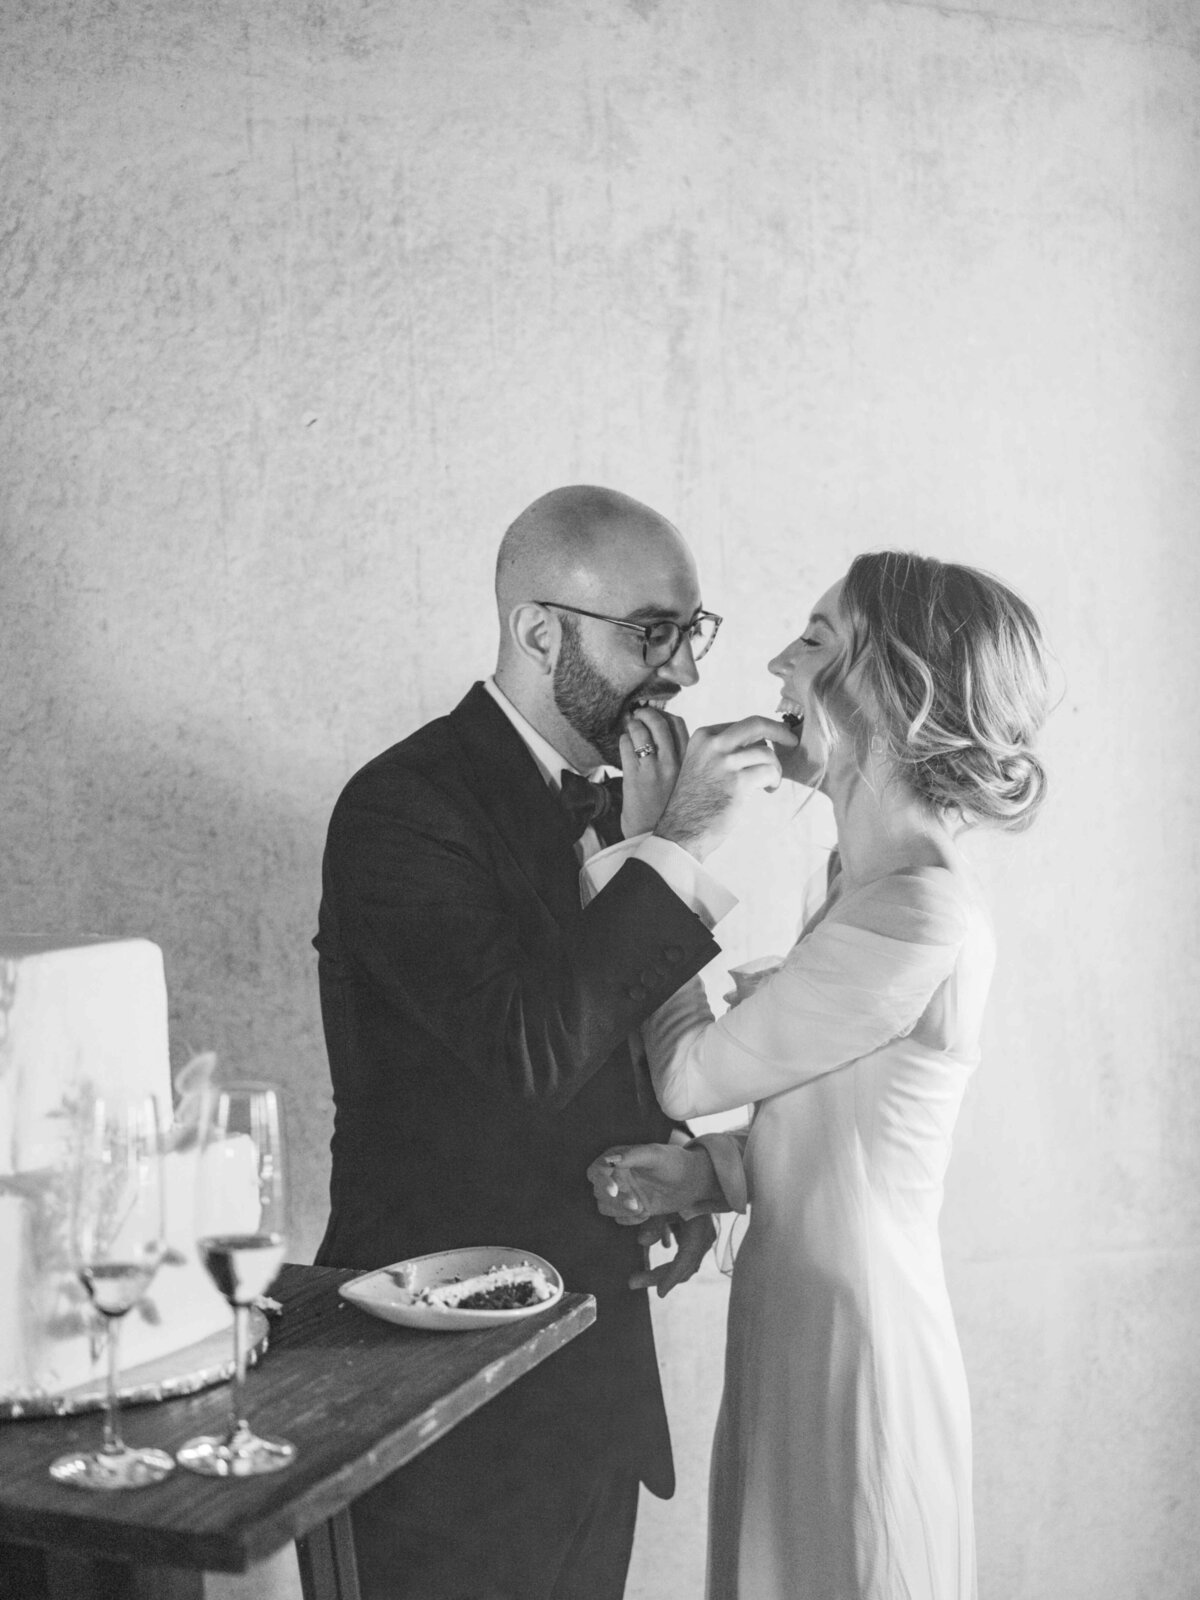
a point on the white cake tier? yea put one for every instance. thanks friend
(80, 1018)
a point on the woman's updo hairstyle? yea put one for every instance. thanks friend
(956, 667)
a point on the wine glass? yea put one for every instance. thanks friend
(116, 1241)
(240, 1232)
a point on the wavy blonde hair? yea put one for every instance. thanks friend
(955, 665)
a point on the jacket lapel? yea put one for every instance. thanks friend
(510, 788)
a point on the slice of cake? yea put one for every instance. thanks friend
(79, 1018)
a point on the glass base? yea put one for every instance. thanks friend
(112, 1469)
(241, 1455)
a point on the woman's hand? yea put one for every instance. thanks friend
(649, 778)
(633, 1183)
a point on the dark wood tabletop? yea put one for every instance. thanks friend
(357, 1396)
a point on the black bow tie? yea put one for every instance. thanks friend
(594, 805)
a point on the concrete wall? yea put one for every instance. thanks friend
(301, 303)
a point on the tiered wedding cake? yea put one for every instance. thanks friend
(81, 1018)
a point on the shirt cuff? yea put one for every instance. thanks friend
(598, 871)
(681, 872)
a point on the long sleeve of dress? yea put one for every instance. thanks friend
(862, 977)
(727, 1152)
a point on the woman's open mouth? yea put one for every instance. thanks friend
(791, 714)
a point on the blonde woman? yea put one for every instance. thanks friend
(842, 1460)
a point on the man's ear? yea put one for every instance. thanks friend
(536, 633)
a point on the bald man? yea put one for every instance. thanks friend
(479, 1023)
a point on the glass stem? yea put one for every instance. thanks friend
(237, 1421)
(112, 1402)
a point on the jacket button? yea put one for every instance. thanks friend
(672, 952)
(636, 992)
(652, 976)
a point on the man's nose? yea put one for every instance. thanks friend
(779, 664)
(681, 668)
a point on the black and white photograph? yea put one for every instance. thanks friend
(599, 844)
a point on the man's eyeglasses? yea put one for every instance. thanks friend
(660, 639)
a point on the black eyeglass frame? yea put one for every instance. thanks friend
(684, 630)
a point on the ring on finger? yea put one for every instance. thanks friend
(644, 750)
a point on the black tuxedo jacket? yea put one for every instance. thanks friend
(477, 1023)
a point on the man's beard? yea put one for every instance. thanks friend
(595, 709)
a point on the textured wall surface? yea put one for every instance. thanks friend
(300, 304)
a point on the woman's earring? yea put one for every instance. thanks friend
(878, 745)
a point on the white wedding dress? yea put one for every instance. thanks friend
(842, 1460)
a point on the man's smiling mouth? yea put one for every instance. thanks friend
(656, 702)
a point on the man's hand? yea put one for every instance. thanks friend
(722, 767)
(695, 1238)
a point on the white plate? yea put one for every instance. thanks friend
(387, 1292)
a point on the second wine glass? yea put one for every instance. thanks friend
(241, 1237)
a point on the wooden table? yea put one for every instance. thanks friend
(358, 1398)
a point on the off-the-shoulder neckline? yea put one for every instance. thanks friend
(921, 873)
